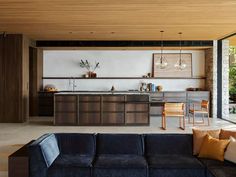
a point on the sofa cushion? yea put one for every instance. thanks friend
(120, 144)
(213, 148)
(198, 137)
(215, 163)
(225, 134)
(76, 143)
(226, 171)
(173, 161)
(164, 143)
(71, 166)
(120, 161)
(74, 160)
(49, 149)
(175, 166)
(120, 166)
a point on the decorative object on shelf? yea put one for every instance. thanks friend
(143, 86)
(180, 64)
(159, 88)
(162, 62)
(170, 71)
(50, 88)
(90, 67)
(113, 88)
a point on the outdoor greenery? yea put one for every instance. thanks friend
(232, 74)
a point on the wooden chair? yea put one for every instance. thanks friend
(204, 109)
(174, 110)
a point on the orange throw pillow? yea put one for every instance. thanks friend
(226, 134)
(198, 137)
(213, 148)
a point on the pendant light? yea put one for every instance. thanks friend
(162, 63)
(180, 64)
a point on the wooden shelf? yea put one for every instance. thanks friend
(124, 78)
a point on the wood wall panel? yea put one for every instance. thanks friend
(2, 79)
(14, 78)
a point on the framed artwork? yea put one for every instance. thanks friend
(170, 70)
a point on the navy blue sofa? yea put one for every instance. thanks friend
(121, 155)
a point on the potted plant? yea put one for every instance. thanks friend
(90, 67)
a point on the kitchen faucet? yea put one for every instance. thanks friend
(72, 83)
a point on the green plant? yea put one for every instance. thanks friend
(90, 67)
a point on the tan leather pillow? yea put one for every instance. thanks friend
(213, 148)
(226, 134)
(198, 137)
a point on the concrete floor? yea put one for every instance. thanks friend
(13, 136)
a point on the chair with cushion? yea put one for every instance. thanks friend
(120, 155)
(170, 155)
(203, 110)
(174, 110)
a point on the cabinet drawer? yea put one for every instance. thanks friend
(198, 96)
(157, 110)
(65, 98)
(113, 118)
(175, 94)
(65, 118)
(92, 106)
(137, 118)
(137, 107)
(66, 107)
(114, 98)
(175, 99)
(89, 98)
(157, 95)
(137, 98)
(113, 107)
(89, 118)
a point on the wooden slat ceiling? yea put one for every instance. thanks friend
(118, 19)
(232, 41)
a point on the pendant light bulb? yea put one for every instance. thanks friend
(162, 63)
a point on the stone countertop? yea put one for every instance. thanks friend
(103, 93)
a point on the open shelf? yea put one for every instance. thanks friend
(125, 78)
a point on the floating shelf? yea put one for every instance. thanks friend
(124, 78)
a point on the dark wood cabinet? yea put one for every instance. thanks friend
(66, 110)
(46, 103)
(89, 109)
(137, 110)
(101, 109)
(113, 109)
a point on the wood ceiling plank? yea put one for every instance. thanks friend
(130, 19)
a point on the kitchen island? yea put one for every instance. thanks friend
(101, 108)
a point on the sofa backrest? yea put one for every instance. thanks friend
(120, 144)
(76, 143)
(168, 144)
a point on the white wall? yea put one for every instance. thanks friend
(117, 63)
